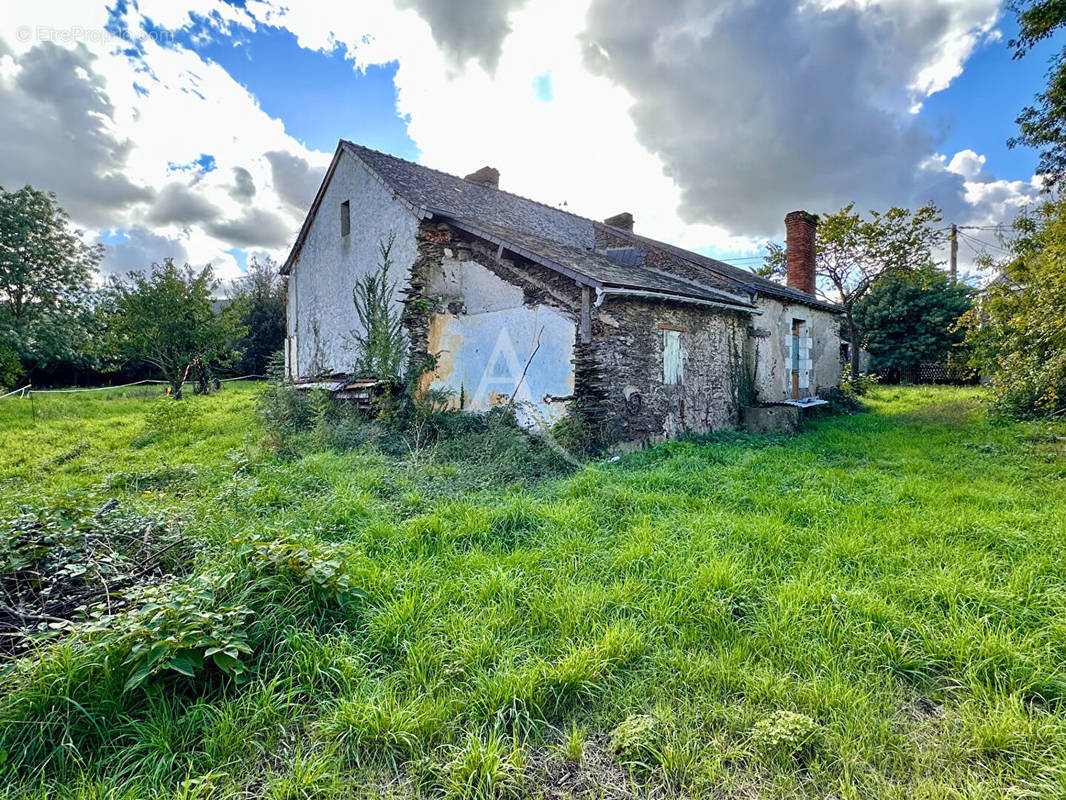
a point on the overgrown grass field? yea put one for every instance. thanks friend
(876, 608)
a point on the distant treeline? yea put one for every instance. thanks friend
(60, 326)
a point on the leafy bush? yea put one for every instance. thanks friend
(283, 412)
(860, 384)
(785, 734)
(54, 567)
(179, 627)
(1030, 390)
(322, 568)
(577, 437)
(1016, 330)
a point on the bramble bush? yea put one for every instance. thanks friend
(1016, 330)
(56, 565)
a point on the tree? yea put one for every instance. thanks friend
(10, 365)
(1043, 126)
(166, 318)
(1018, 329)
(852, 253)
(257, 304)
(908, 318)
(63, 340)
(379, 344)
(41, 258)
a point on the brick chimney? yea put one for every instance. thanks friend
(486, 176)
(799, 250)
(623, 221)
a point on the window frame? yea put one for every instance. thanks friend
(672, 341)
(346, 218)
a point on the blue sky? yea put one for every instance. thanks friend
(203, 134)
(317, 94)
(978, 110)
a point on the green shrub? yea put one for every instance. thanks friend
(180, 627)
(170, 415)
(577, 438)
(283, 412)
(319, 567)
(55, 564)
(860, 384)
(1031, 390)
(785, 734)
(1016, 331)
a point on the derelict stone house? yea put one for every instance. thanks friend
(514, 298)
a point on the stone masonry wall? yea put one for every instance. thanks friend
(640, 404)
(622, 369)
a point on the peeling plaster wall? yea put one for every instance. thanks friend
(320, 312)
(483, 335)
(772, 344)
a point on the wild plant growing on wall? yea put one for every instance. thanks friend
(742, 368)
(379, 344)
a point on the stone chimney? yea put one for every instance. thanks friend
(623, 221)
(486, 176)
(799, 250)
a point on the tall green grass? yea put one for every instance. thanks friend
(872, 609)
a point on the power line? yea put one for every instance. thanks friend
(982, 242)
(973, 249)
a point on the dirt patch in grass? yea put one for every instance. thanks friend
(596, 775)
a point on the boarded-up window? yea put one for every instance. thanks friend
(673, 359)
(346, 218)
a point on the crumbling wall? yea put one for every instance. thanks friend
(493, 330)
(641, 404)
(469, 311)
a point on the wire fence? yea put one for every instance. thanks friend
(27, 390)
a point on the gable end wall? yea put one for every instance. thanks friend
(320, 313)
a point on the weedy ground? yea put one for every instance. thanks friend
(875, 608)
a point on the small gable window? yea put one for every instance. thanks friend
(346, 218)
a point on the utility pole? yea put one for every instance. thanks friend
(954, 252)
